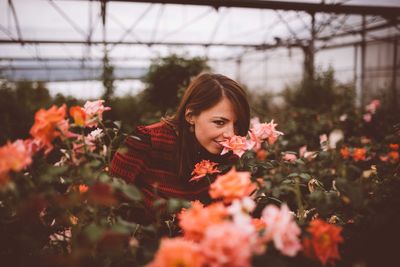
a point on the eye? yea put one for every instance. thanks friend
(219, 122)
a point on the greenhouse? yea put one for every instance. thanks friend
(199, 132)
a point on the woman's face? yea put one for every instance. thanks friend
(215, 125)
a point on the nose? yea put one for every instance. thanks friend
(229, 131)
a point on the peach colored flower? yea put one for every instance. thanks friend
(94, 112)
(309, 155)
(324, 241)
(224, 245)
(197, 219)
(373, 106)
(281, 229)
(365, 140)
(359, 154)
(203, 168)
(95, 134)
(394, 146)
(32, 145)
(13, 157)
(289, 157)
(367, 117)
(232, 185)
(240, 210)
(238, 145)
(48, 125)
(78, 114)
(345, 152)
(80, 146)
(178, 252)
(264, 132)
(384, 158)
(343, 117)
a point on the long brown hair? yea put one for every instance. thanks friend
(205, 91)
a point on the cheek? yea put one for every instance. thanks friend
(208, 131)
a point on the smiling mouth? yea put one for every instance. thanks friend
(218, 143)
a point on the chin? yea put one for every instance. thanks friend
(215, 151)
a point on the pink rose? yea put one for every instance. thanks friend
(238, 145)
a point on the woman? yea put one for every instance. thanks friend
(159, 158)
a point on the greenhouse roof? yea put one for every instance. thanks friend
(57, 40)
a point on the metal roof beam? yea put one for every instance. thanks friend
(46, 41)
(384, 11)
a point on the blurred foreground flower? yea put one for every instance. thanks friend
(281, 228)
(225, 244)
(13, 157)
(232, 185)
(50, 124)
(324, 241)
(197, 219)
(178, 252)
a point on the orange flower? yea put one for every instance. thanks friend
(83, 188)
(261, 154)
(78, 114)
(359, 154)
(13, 157)
(232, 185)
(203, 168)
(48, 124)
(197, 219)
(73, 219)
(394, 146)
(324, 241)
(394, 156)
(345, 152)
(258, 224)
(178, 252)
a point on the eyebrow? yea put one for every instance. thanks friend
(221, 118)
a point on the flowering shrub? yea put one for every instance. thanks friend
(279, 204)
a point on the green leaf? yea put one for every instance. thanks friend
(295, 174)
(266, 165)
(131, 192)
(305, 176)
(94, 232)
(56, 170)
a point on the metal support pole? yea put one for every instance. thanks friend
(312, 47)
(355, 65)
(238, 67)
(394, 81)
(363, 59)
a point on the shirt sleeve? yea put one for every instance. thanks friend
(132, 157)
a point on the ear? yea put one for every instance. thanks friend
(189, 116)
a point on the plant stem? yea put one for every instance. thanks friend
(299, 199)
